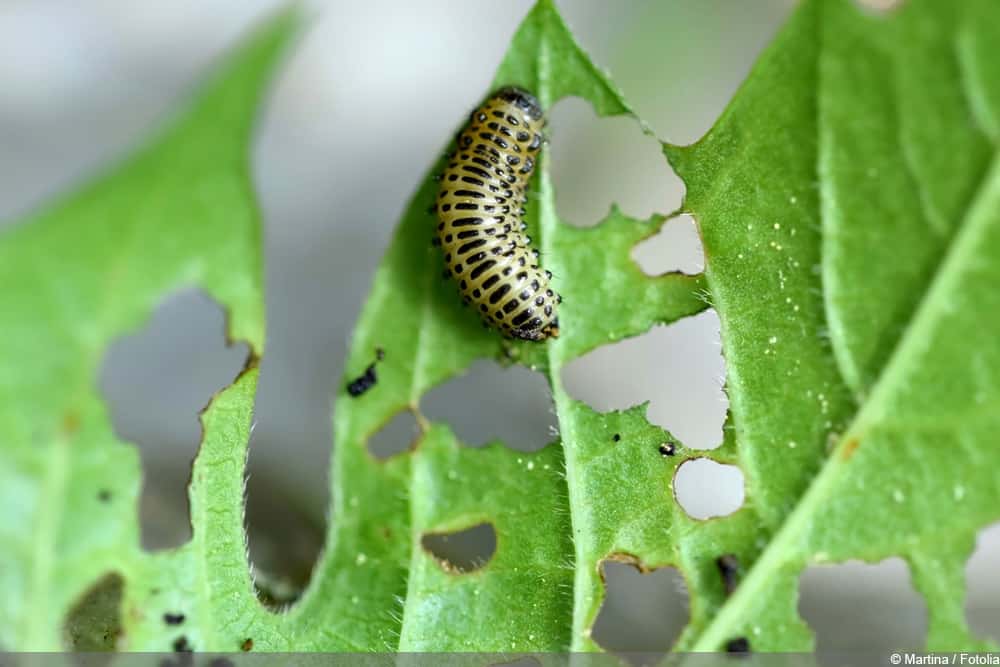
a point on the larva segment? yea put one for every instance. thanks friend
(480, 218)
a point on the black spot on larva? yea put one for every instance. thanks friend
(667, 449)
(471, 245)
(499, 293)
(616, 437)
(482, 268)
(485, 160)
(738, 645)
(482, 173)
(729, 568)
(173, 619)
(522, 317)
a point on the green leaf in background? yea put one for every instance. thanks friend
(849, 203)
(178, 214)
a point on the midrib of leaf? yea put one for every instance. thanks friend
(788, 544)
(548, 223)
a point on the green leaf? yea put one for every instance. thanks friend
(849, 203)
(542, 588)
(180, 213)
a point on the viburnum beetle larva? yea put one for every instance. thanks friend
(480, 218)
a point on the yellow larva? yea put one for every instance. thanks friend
(480, 228)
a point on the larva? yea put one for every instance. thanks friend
(480, 218)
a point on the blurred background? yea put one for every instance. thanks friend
(83, 81)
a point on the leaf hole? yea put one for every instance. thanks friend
(156, 381)
(595, 161)
(397, 436)
(284, 537)
(706, 489)
(462, 551)
(93, 624)
(982, 603)
(642, 614)
(678, 368)
(490, 403)
(860, 607)
(676, 247)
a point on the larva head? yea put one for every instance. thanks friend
(523, 100)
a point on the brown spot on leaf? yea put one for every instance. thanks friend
(849, 448)
(70, 423)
